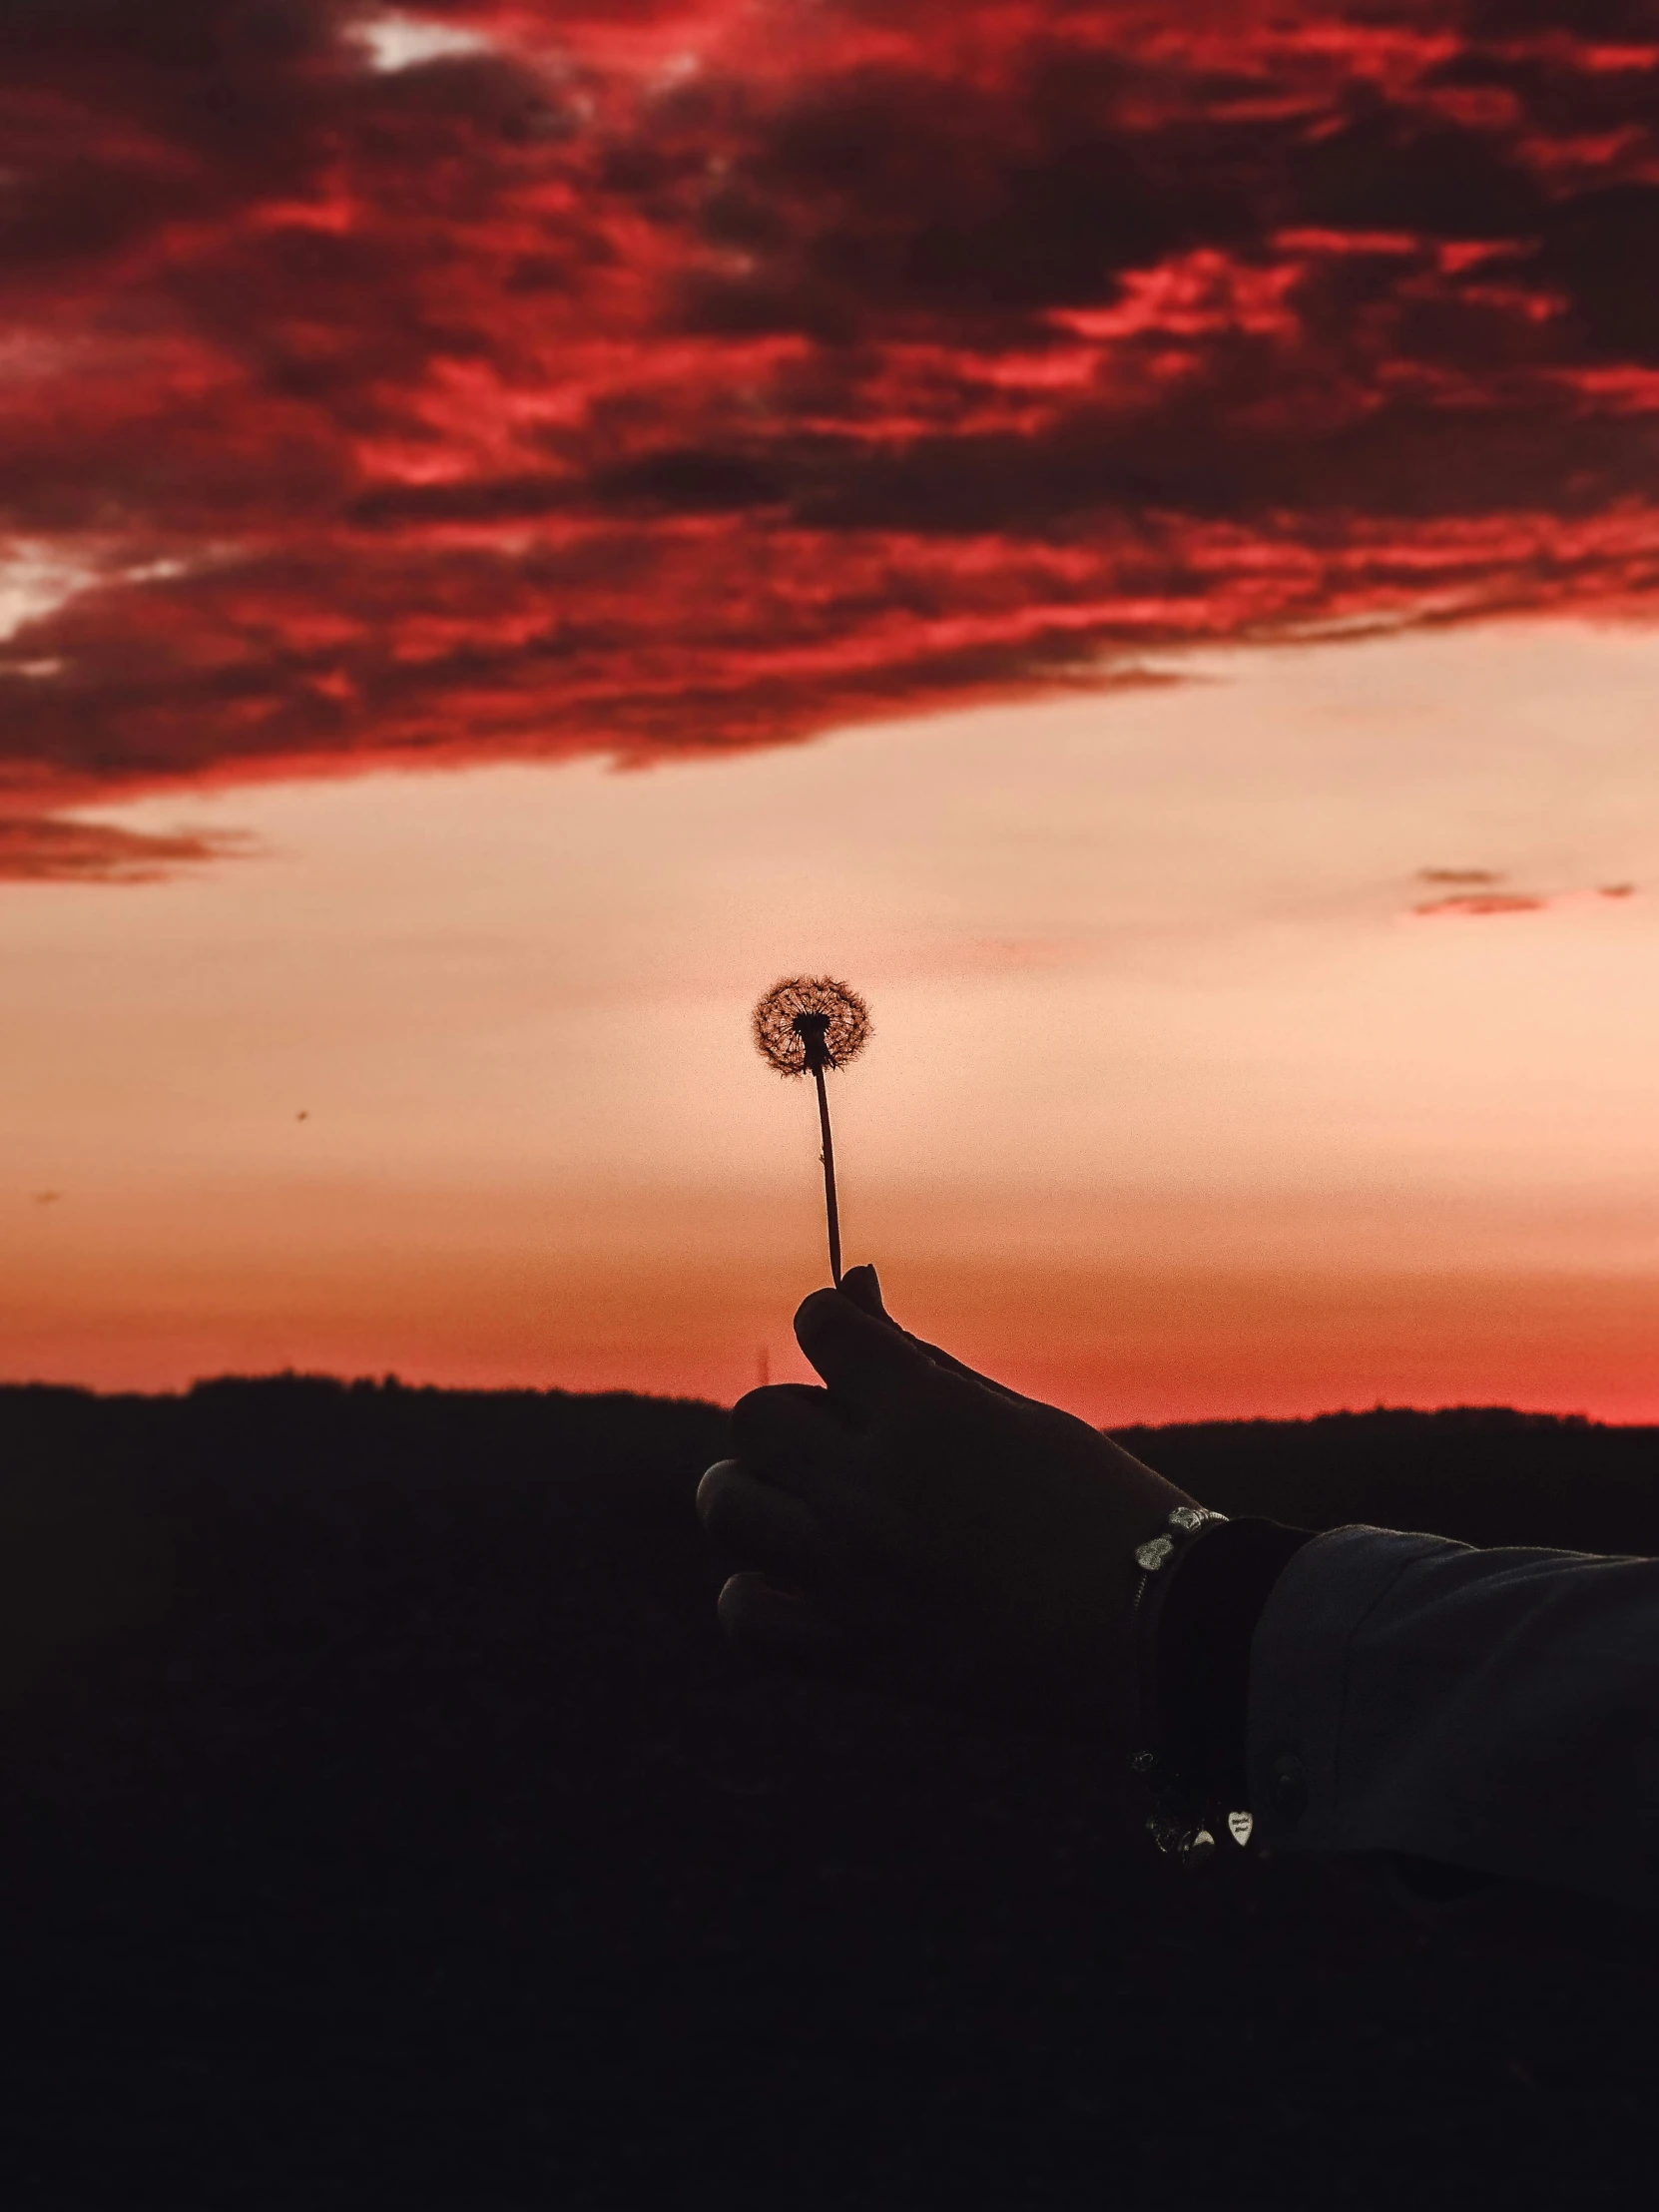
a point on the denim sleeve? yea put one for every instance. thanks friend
(1497, 1709)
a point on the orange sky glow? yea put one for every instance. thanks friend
(1202, 1082)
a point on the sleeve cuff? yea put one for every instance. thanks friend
(1299, 1679)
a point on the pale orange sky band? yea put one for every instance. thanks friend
(1277, 1039)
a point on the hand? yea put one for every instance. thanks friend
(920, 1521)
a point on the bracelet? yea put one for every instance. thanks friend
(1184, 1820)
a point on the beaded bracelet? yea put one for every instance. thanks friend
(1184, 1818)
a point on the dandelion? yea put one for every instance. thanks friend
(802, 1025)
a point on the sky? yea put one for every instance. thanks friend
(1129, 533)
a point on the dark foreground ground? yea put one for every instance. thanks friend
(385, 1826)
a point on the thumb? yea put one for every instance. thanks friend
(864, 1361)
(863, 1286)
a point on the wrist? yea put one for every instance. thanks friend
(1204, 1585)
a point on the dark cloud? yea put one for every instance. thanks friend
(1592, 247)
(641, 382)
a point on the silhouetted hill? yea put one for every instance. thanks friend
(384, 1824)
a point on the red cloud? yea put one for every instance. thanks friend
(655, 376)
(60, 850)
(1484, 902)
(1504, 902)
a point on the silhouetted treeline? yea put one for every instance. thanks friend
(1483, 1475)
(384, 1822)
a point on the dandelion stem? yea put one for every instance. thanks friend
(829, 1206)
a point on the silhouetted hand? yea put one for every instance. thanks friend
(916, 1521)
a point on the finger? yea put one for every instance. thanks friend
(865, 1362)
(793, 1434)
(761, 1525)
(863, 1287)
(771, 1622)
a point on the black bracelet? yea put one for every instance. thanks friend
(1185, 1817)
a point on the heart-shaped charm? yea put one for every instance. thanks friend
(1239, 1825)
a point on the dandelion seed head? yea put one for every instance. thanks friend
(808, 1019)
